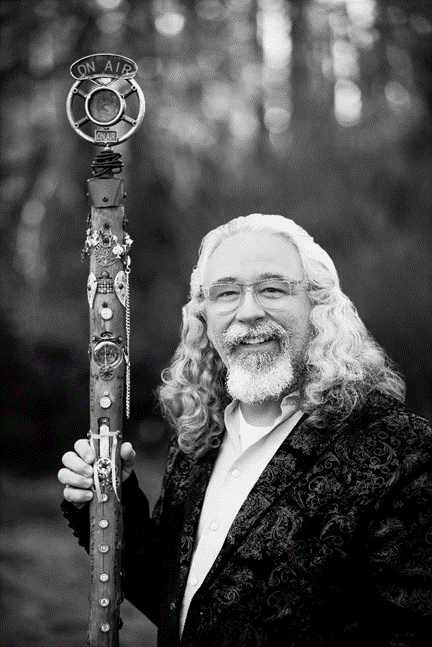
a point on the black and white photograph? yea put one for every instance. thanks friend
(216, 323)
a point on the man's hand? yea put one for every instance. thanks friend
(77, 473)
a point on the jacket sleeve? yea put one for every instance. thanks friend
(398, 550)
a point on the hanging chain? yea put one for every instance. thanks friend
(127, 349)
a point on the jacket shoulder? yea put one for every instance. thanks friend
(385, 427)
(394, 415)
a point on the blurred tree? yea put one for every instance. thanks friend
(316, 109)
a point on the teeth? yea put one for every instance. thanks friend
(254, 340)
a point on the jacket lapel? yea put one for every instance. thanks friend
(188, 488)
(295, 456)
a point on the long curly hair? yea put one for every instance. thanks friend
(343, 363)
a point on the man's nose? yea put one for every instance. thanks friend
(249, 309)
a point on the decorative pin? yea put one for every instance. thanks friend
(106, 314)
(92, 285)
(120, 287)
(105, 402)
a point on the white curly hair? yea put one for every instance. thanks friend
(343, 363)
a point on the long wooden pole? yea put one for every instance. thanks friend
(107, 295)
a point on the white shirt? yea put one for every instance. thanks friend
(244, 453)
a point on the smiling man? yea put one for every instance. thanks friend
(296, 505)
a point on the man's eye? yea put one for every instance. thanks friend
(227, 294)
(274, 292)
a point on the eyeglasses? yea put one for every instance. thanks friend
(271, 294)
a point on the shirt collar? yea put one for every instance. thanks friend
(289, 405)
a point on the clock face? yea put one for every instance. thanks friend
(107, 354)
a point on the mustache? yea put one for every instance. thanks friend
(239, 332)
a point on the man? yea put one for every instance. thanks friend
(295, 509)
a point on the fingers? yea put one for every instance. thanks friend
(72, 479)
(84, 450)
(77, 473)
(77, 496)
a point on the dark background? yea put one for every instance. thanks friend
(319, 110)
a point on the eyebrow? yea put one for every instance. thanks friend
(261, 277)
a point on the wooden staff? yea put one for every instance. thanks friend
(107, 245)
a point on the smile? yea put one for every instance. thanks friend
(256, 340)
(256, 344)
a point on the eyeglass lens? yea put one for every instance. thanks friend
(272, 294)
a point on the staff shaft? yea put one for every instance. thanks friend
(107, 295)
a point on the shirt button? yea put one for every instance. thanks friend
(173, 606)
(214, 525)
(235, 473)
(194, 581)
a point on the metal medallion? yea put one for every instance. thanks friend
(120, 287)
(103, 548)
(105, 627)
(103, 251)
(106, 314)
(107, 354)
(103, 523)
(104, 602)
(105, 402)
(92, 285)
(104, 577)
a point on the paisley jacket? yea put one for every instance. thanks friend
(332, 547)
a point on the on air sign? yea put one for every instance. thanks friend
(104, 65)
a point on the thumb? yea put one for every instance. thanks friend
(128, 455)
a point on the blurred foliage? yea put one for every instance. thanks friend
(316, 109)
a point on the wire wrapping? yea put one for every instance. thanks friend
(107, 163)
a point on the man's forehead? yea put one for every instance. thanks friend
(248, 255)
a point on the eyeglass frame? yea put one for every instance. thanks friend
(244, 287)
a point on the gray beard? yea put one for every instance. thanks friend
(257, 377)
(270, 378)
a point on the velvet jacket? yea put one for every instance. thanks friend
(332, 547)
